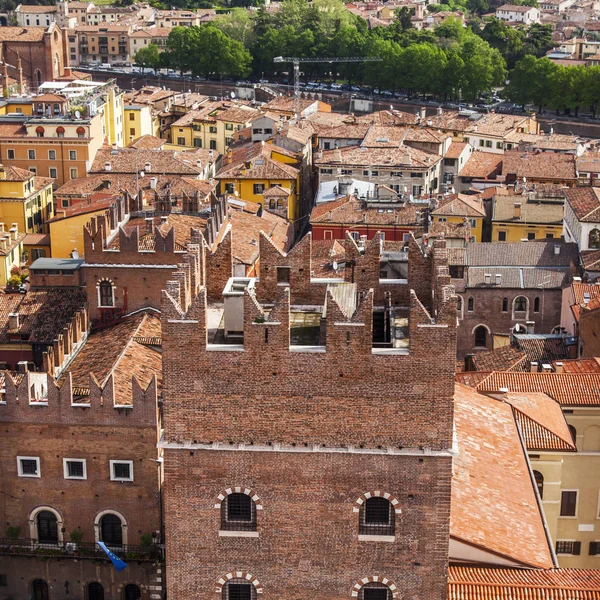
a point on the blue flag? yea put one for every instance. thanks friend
(119, 564)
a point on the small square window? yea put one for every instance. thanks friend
(259, 188)
(74, 468)
(531, 235)
(502, 236)
(10, 154)
(51, 154)
(64, 203)
(121, 470)
(29, 466)
(283, 275)
(72, 154)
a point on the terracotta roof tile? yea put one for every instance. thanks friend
(324, 253)
(569, 389)
(256, 162)
(461, 205)
(476, 583)
(455, 150)
(541, 421)
(494, 505)
(470, 378)
(543, 212)
(133, 160)
(404, 157)
(147, 142)
(482, 165)
(540, 253)
(505, 358)
(542, 349)
(22, 34)
(389, 117)
(539, 165)
(581, 365)
(585, 203)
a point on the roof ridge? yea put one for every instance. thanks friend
(550, 432)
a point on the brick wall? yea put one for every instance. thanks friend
(311, 431)
(487, 310)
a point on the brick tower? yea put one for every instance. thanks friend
(296, 472)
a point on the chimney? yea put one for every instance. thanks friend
(517, 210)
(22, 366)
(153, 182)
(498, 279)
(13, 233)
(439, 110)
(1, 227)
(575, 279)
(15, 226)
(148, 167)
(533, 367)
(199, 164)
(164, 219)
(558, 367)
(487, 278)
(13, 321)
(149, 224)
(2, 173)
(530, 326)
(422, 112)
(74, 253)
(546, 368)
(556, 249)
(107, 166)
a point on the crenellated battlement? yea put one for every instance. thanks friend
(38, 397)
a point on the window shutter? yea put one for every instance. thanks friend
(577, 548)
(593, 548)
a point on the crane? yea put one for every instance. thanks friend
(296, 62)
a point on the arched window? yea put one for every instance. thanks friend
(95, 591)
(573, 433)
(238, 513)
(591, 439)
(111, 531)
(481, 336)
(520, 304)
(60, 131)
(504, 304)
(375, 591)
(539, 481)
(39, 590)
(470, 304)
(376, 517)
(132, 592)
(80, 132)
(39, 131)
(47, 527)
(594, 238)
(105, 294)
(238, 589)
(536, 305)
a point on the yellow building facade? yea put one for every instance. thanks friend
(524, 217)
(25, 199)
(138, 122)
(460, 209)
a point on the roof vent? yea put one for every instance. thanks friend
(556, 249)
(107, 166)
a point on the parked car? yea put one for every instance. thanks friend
(263, 81)
(354, 88)
(387, 93)
(336, 86)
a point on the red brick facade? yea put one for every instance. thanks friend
(308, 433)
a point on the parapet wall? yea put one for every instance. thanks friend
(29, 400)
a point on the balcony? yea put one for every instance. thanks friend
(82, 550)
(103, 49)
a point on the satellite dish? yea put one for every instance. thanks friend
(391, 107)
(233, 94)
(335, 265)
(77, 114)
(142, 174)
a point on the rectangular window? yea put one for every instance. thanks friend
(259, 188)
(481, 143)
(327, 171)
(3, 580)
(499, 145)
(568, 547)
(33, 170)
(354, 235)
(181, 141)
(229, 126)
(28, 466)
(64, 203)
(594, 548)
(366, 172)
(197, 142)
(53, 172)
(502, 236)
(31, 154)
(10, 154)
(328, 234)
(74, 468)
(415, 175)
(131, 116)
(327, 145)
(549, 236)
(568, 503)
(283, 275)
(374, 173)
(396, 174)
(473, 222)
(488, 143)
(531, 235)
(132, 131)
(51, 154)
(212, 129)
(72, 154)
(121, 470)
(346, 171)
(73, 173)
(213, 144)
(229, 188)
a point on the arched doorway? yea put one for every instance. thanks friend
(132, 592)
(111, 532)
(39, 590)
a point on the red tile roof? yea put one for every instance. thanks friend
(494, 505)
(585, 203)
(569, 389)
(539, 165)
(482, 165)
(505, 358)
(476, 583)
(581, 365)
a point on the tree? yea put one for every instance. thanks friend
(238, 25)
(508, 40)
(404, 16)
(148, 57)
(479, 7)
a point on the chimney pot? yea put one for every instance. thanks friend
(533, 367)
(13, 321)
(558, 367)
(517, 210)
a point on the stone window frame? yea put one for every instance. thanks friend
(98, 526)
(257, 505)
(98, 284)
(33, 523)
(239, 575)
(397, 511)
(526, 311)
(489, 333)
(375, 579)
